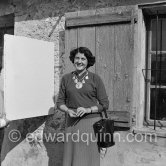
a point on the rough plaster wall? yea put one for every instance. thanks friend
(26, 155)
(35, 9)
(36, 19)
(135, 152)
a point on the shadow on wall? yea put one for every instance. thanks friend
(54, 124)
(24, 126)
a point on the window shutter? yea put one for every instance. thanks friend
(109, 34)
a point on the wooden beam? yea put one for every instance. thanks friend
(122, 116)
(152, 4)
(97, 20)
(121, 120)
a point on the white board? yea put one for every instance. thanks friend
(28, 78)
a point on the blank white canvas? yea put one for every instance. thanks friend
(28, 78)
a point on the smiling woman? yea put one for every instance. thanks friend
(80, 62)
(82, 96)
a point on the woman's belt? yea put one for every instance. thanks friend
(88, 115)
(91, 115)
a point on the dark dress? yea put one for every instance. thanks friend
(81, 149)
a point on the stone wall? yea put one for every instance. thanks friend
(38, 9)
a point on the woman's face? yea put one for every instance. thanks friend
(80, 62)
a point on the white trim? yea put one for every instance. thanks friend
(140, 82)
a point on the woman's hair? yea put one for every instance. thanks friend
(87, 53)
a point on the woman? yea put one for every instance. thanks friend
(82, 96)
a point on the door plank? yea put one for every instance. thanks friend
(70, 43)
(105, 58)
(123, 67)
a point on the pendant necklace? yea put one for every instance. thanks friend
(79, 82)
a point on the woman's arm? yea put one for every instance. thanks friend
(64, 108)
(61, 101)
(101, 95)
(81, 110)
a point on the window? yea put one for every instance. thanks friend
(155, 72)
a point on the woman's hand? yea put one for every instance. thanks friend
(4, 122)
(81, 111)
(71, 113)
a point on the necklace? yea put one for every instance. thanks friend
(79, 82)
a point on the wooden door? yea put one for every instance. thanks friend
(109, 35)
